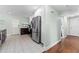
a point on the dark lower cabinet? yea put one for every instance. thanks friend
(24, 31)
(2, 36)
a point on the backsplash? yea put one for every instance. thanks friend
(24, 23)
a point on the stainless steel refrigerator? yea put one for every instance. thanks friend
(36, 29)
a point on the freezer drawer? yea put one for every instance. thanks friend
(36, 37)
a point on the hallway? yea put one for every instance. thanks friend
(20, 44)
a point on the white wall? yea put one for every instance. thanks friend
(74, 26)
(66, 23)
(24, 20)
(10, 23)
(50, 28)
(70, 18)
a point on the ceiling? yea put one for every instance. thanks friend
(18, 10)
(28, 10)
(66, 9)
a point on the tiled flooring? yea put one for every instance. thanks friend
(20, 44)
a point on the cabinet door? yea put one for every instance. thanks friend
(0, 35)
(3, 36)
(24, 31)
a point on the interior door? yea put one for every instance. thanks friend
(74, 26)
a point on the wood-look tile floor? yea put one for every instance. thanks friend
(68, 45)
(20, 44)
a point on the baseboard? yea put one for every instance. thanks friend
(73, 35)
(47, 48)
(63, 37)
(11, 34)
